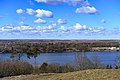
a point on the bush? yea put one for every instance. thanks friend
(109, 67)
(57, 68)
(43, 67)
(14, 67)
(54, 68)
(67, 68)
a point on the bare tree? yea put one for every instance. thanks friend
(83, 62)
(96, 61)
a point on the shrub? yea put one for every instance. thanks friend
(116, 67)
(14, 67)
(109, 67)
(67, 68)
(43, 67)
(54, 68)
(57, 68)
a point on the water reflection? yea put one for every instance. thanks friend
(62, 58)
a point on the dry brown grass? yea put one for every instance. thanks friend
(98, 74)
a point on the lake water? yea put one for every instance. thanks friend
(63, 58)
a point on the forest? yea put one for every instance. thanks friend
(48, 46)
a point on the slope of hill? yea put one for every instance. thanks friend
(98, 74)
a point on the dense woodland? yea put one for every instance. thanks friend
(43, 46)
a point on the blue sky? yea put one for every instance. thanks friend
(60, 19)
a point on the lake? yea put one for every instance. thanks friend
(63, 58)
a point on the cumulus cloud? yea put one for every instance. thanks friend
(103, 21)
(19, 11)
(54, 24)
(40, 21)
(24, 27)
(61, 21)
(49, 30)
(7, 28)
(51, 1)
(72, 2)
(30, 11)
(40, 13)
(78, 26)
(41, 0)
(22, 18)
(84, 29)
(81, 2)
(97, 30)
(87, 10)
(43, 13)
(62, 27)
(19, 28)
(21, 23)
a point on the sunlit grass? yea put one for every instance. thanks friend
(93, 74)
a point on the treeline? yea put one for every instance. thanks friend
(27, 46)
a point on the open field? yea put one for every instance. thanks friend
(97, 74)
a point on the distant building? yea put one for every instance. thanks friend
(105, 48)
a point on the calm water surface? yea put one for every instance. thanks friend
(63, 58)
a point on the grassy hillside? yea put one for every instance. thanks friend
(98, 74)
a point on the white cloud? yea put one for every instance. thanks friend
(61, 21)
(30, 11)
(103, 21)
(38, 28)
(51, 1)
(87, 10)
(73, 2)
(22, 18)
(50, 30)
(82, 2)
(40, 13)
(41, 1)
(97, 30)
(85, 29)
(11, 28)
(7, 28)
(25, 27)
(77, 26)
(39, 21)
(22, 28)
(62, 27)
(21, 23)
(19, 11)
(43, 13)
(54, 24)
